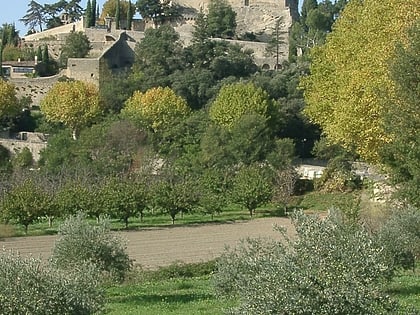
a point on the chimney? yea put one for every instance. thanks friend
(36, 59)
(18, 59)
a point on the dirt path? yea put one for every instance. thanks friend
(156, 247)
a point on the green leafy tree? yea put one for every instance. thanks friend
(251, 187)
(173, 194)
(73, 103)
(350, 74)
(73, 196)
(157, 11)
(157, 56)
(212, 195)
(77, 45)
(59, 153)
(157, 109)
(221, 19)
(24, 203)
(402, 119)
(237, 99)
(124, 198)
(110, 6)
(328, 268)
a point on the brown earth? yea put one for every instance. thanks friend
(156, 247)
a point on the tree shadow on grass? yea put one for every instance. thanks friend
(142, 299)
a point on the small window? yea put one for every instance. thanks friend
(246, 3)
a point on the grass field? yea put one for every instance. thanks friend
(192, 293)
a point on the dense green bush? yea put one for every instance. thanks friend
(27, 286)
(80, 242)
(329, 268)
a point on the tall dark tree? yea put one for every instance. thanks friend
(129, 15)
(156, 10)
(88, 14)
(35, 16)
(117, 15)
(74, 10)
(221, 19)
(93, 13)
(157, 56)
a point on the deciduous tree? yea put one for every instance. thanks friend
(237, 99)
(157, 109)
(350, 74)
(25, 203)
(9, 104)
(73, 103)
(402, 118)
(252, 187)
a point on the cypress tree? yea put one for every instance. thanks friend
(129, 15)
(88, 14)
(117, 15)
(93, 13)
(39, 54)
(45, 55)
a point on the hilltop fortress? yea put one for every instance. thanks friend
(114, 48)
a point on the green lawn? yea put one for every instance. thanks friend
(406, 289)
(175, 296)
(194, 295)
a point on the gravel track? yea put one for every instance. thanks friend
(155, 247)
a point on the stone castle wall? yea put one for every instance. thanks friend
(35, 88)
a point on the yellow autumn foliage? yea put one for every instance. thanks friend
(157, 108)
(73, 103)
(345, 92)
(9, 104)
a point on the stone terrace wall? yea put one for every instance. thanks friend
(36, 88)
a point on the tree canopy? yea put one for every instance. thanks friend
(235, 100)
(9, 104)
(402, 119)
(157, 109)
(221, 19)
(73, 103)
(350, 74)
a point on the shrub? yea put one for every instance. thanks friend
(29, 287)
(330, 268)
(400, 236)
(80, 242)
(338, 176)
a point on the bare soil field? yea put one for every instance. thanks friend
(154, 247)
